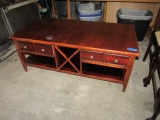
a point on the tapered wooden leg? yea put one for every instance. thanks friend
(128, 72)
(21, 56)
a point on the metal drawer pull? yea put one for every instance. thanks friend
(25, 47)
(91, 57)
(115, 61)
(42, 50)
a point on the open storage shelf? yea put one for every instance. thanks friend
(114, 74)
(68, 59)
(43, 61)
(67, 51)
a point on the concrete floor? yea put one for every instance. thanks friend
(48, 95)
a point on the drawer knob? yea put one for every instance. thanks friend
(42, 50)
(115, 61)
(91, 57)
(25, 47)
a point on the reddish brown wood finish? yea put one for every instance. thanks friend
(26, 46)
(45, 49)
(92, 55)
(116, 59)
(89, 49)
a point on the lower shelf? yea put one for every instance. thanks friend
(103, 72)
(40, 61)
(90, 70)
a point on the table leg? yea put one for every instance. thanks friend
(128, 72)
(21, 56)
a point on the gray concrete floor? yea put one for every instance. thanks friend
(48, 95)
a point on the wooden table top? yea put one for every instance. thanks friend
(100, 36)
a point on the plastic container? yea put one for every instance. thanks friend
(89, 9)
(91, 18)
(140, 18)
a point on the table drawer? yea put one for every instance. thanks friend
(45, 49)
(91, 55)
(116, 59)
(26, 46)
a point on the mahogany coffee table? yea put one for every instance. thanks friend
(101, 50)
